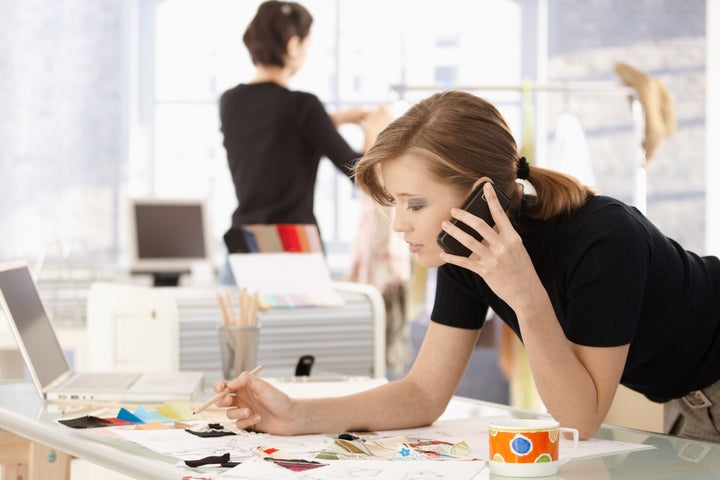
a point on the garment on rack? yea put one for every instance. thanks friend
(660, 118)
(570, 153)
(380, 258)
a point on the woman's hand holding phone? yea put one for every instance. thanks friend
(476, 204)
(501, 260)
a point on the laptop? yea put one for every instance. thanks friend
(48, 367)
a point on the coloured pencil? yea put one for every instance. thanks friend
(221, 394)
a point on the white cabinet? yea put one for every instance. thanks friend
(144, 328)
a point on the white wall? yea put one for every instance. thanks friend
(712, 124)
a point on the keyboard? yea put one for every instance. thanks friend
(101, 381)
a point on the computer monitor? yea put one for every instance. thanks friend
(167, 236)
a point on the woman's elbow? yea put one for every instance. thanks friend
(434, 413)
(586, 430)
(586, 434)
(430, 410)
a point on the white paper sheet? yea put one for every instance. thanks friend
(316, 387)
(474, 431)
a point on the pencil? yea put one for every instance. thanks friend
(230, 308)
(223, 308)
(219, 395)
(254, 308)
(242, 296)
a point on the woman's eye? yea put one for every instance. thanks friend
(414, 207)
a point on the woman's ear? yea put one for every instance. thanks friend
(293, 46)
(479, 181)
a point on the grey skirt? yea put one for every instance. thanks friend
(696, 415)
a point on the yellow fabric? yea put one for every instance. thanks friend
(528, 129)
(418, 282)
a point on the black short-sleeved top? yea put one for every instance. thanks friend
(613, 279)
(275, 138)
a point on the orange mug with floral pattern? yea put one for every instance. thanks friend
(528, 447)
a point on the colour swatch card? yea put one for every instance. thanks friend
(286, 279)
(281, 237)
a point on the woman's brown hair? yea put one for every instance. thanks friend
(460, 137)
(274, 24)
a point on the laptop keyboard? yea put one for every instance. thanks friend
(103, 381)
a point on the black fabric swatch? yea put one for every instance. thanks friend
(221, 459)
(87, 421)
(211, 433)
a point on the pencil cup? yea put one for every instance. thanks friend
(238, 349)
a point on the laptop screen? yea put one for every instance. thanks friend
(40, 346)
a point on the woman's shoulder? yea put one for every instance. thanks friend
(309, 108)
(269, 93)
(608, 221)
(602, 220)
(601, 209)
(238, 94)
(254, 89)
(304, 97)
(598, 210)
(600, 202)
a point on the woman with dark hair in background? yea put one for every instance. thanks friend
(274, 136)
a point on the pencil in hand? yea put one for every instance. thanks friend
(221, 394)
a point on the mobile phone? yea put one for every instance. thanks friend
(476, 204)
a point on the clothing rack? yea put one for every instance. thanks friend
(597, 87)
(591, 87)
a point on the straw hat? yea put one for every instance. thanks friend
(660, 119)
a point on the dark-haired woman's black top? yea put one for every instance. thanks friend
(274, 139)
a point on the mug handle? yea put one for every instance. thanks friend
(576, 437)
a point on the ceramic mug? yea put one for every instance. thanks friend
(527, 447)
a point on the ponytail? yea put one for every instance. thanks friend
(555, 193)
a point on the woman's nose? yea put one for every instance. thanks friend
(400, 223)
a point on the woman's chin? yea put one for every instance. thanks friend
(429, 259)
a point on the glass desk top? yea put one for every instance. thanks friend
(23, 413)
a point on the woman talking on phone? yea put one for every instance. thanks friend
(596, 293)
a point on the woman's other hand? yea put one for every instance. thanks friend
(374, 123)
(349, 115)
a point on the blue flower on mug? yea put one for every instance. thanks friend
(521, 445)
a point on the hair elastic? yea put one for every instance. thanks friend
(523, 169)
